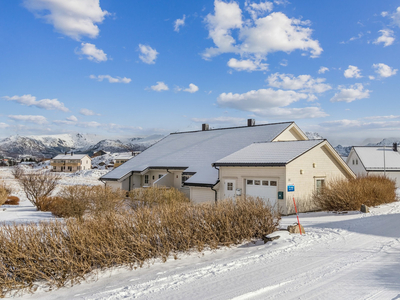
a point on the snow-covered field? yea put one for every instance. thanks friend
(341, 256)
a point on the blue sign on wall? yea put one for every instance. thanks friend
(290, 188)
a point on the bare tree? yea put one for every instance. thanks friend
(36, 185)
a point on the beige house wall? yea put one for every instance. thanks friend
(114, 184)
(240, 174)
(202, 195)
(292, 133)
(318, 163)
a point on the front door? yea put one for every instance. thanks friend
(229, 188)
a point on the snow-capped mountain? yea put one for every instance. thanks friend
(313, 135)
(51, 145)
(386, 142)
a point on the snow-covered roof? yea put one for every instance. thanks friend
(196, 151)
(69, 156)
(268, 154)
(378, 158)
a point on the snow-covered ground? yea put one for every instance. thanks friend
(341, 256)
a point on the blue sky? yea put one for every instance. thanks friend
(134, 68)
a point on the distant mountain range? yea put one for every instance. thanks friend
(51, 145)
(48, 146)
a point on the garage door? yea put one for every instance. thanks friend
(266, 189)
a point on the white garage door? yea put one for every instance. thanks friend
(264, 188)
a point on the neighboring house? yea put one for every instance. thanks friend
(99, 153)
(71, 162)
(190, 162)
(122, 158)
(375, 160)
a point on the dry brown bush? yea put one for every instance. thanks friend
(344, 195)
(156, 195)
(36, 185)
(60, 253)
(3, 195)
(12, 200)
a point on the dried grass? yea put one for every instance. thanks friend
(12, 200)
(345, 195)
(63, 253)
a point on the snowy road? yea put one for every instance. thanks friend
(346, 256)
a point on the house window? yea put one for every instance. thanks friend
(257, 182)
(353, 161)
(70, 169)
(153, 177)
(273, 183)
(146, 179)
(356, 161)
(54, 167)
(265, 182)
(160, 175)
(230, 186)
(250, 182)
(319, 184)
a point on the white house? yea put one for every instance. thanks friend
(71, 162)
(375, 160)
(197, 163)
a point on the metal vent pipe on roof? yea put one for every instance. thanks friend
(251, 122)
(205, 127)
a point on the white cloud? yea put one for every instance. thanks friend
(382, 117)
(72, 119)
(394, 16)
(160, 86)
(258, 9)
(371, 77)
(149, 55)
(74, 18)
(384, 70)
(387, 37)
(29, 118)
(247, 65)
(322, 70)
(304, 83)
(256, 37)
(284, 63)
(355, 92)
(92, 53)
(179, 23)
(3, 125)
(362, 125)
(88, 112)
(29, 100)
(192, 88)
(270, 103)
(352, 72)
(111, 79)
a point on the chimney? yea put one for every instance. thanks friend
(395, 147)
(66, 152)
(133, 154)
(251, 122)
(205, 127)
(72, 153)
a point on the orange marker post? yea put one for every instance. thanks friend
(298, 221)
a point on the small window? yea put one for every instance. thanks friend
(160, 175)
(319, 184)
(353, 161)
(70, 169)
(153, 177)
(250, 182)
(146, 179)
(230, 186)
(356, 161)
(265, 182)
(273, 183)
(257, 182)
(54, 167)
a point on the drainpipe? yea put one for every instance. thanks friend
(212, 188)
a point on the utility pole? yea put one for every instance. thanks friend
(384, 160)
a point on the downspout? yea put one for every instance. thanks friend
(212, 188)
